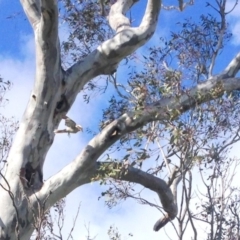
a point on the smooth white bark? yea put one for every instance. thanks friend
(54, 93)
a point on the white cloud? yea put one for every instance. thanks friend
(236, 32)
(21, 73)
(234, 20)
(236, 10)
(128, 217)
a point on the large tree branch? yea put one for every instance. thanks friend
(117, 19)
(79, 170)
(106, 57)
(128, 173)
(26, 157)
(43, 16)
(151, 14)
(48, 69)
(32, 10)
(47, 49)
(233, 67)
(82, 169)
(167, 197)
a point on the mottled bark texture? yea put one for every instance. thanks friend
(22, 190)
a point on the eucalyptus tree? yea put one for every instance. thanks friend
(175, 96)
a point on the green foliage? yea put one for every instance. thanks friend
(87, 28)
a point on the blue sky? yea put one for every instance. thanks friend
(17, 64)
(14, 25)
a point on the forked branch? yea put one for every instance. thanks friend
(32, 10)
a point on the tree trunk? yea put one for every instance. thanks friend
(24, 197)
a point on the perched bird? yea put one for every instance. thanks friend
(71, 127)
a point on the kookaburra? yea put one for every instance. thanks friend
(71, 126)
